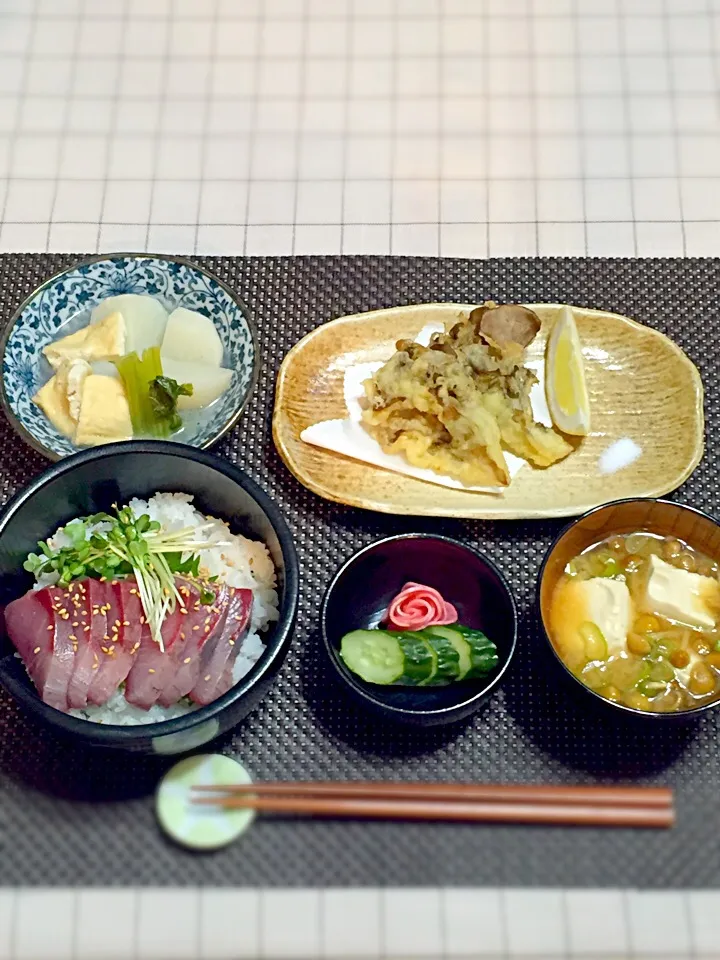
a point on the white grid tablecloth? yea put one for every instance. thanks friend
(458, 127)
(453, 127)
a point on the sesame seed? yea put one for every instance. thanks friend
(104, 649)
(196, 627)
(36, 650)
(73, 637)
(187, 659)
(151, 671)
(113, 583)
(207, 629)
(84, 612)
(134, 592)
(117, 623)
(50, 627)
(182, 636)
(207, 677)
(232, 643)
(126, 623)
(106, 637)
(86, 629)
(95, 666)
(75, 623)
(142, 620)
(103, 579)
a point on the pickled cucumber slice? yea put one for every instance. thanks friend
(374, 655)
(419, 660)
(430, 657)
(448, 659)
(458, 642)
(483, 652)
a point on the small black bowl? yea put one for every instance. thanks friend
(92, 481)
(361, 591)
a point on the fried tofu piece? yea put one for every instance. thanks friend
(104, 412)
(52, 400)
(97, 341)
(70, 379)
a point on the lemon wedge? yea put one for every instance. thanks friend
(565, 385)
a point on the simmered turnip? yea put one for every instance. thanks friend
(208, 382)
(192, 337)
(145, 319)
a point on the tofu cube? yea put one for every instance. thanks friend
(602, 601)
(682, 596)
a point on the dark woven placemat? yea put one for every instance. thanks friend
(70, 817)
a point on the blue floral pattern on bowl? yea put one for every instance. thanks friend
(63, 304)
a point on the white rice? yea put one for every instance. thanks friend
(245, 563)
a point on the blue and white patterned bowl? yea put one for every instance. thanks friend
(63, 304)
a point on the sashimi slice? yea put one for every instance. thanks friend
(152, 668)
(223, 646)
(47, 652)
(131, 612)
(115, 657)
(82, 601)
(199, 624)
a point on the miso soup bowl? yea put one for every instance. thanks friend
(92, 481)
(662, 517)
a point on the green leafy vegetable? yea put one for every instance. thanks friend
(190, 566)
(137, 374)
(106, 546)
(152, 397)
(164, 393)
(206, 595)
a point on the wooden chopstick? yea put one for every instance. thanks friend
(446, 810)
(599, 796)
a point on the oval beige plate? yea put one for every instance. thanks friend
(641, 386)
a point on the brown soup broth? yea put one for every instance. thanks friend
(662, 665)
